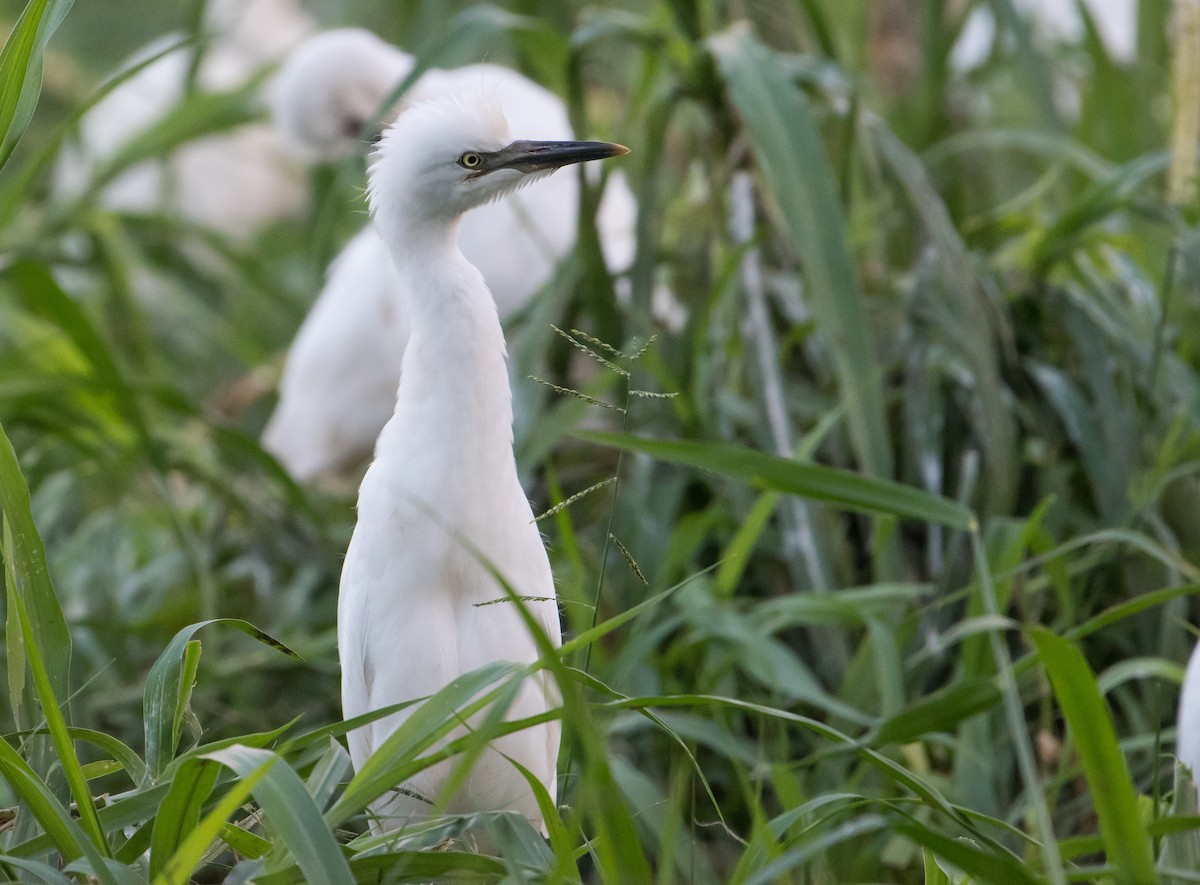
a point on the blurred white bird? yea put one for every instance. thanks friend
(441, 505)
(326, 91)
(1187, 741)
(232, 182)
(1053, 21)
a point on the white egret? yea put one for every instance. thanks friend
(1187, 740)
(335, 395)
(233, 182)
(442, 503)
(1053, 21)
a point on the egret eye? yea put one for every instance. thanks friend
(470, 160)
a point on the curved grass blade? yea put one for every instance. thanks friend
(433, 718)
(292, 814)
(178, 869)
(839, 487)
(1110, 783)
(179, 816)
(14, 190)
(169, 687)
(21, 68)
(63, 833)
(984, 866)
(32, 574)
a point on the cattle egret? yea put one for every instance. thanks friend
(1187, 740)
(336, 393)
(441, 506)
(233, 182)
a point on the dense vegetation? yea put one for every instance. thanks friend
(964, 304)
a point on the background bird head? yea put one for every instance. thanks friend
(446, 156)
(331, 86)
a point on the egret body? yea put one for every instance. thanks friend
(441, 506)
(1188, 736)
(326, 91)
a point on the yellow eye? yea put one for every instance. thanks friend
(470, 160)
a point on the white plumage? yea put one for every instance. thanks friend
(1187, 748)
(326, 91)
(233, 182)
(442, 502)
(1056, 21)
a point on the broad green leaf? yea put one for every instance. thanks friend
(169, 686)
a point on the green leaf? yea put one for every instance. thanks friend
(179, 815)
(291, 812)
(63, 832)
(169, 686)
(1090, 720)
(28, 562)
(21, 68)
(797, 174)
(391, 760)
(839, 487)
(198, 835)
(984, 866)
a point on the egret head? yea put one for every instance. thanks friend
(446, 156)
(331, 86)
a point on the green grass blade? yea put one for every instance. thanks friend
(839, 487)
(29, 564)
(197, 839)
(965, 318)
(169, 686)
(293, 815)
(64, 834)
(1111, 785)
(797, 173)
(14, 191)
(179, 815)
(424, 725)
(44, 872)
(984, 866)
(43, 630)
(56, 722)
(21, 68)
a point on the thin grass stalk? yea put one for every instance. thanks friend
(1185, 136)
(807, 565)
(1014, 713)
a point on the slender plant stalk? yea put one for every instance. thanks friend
(807, 564)
(1014, 713)
(1185, 137)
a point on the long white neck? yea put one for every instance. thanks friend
(454, 391)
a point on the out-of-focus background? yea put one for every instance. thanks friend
(945, 243)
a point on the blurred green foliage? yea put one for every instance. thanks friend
(968, 282)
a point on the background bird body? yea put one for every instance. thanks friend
(346, 357)
(233, 182)
(442, 506)
(515, 242)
